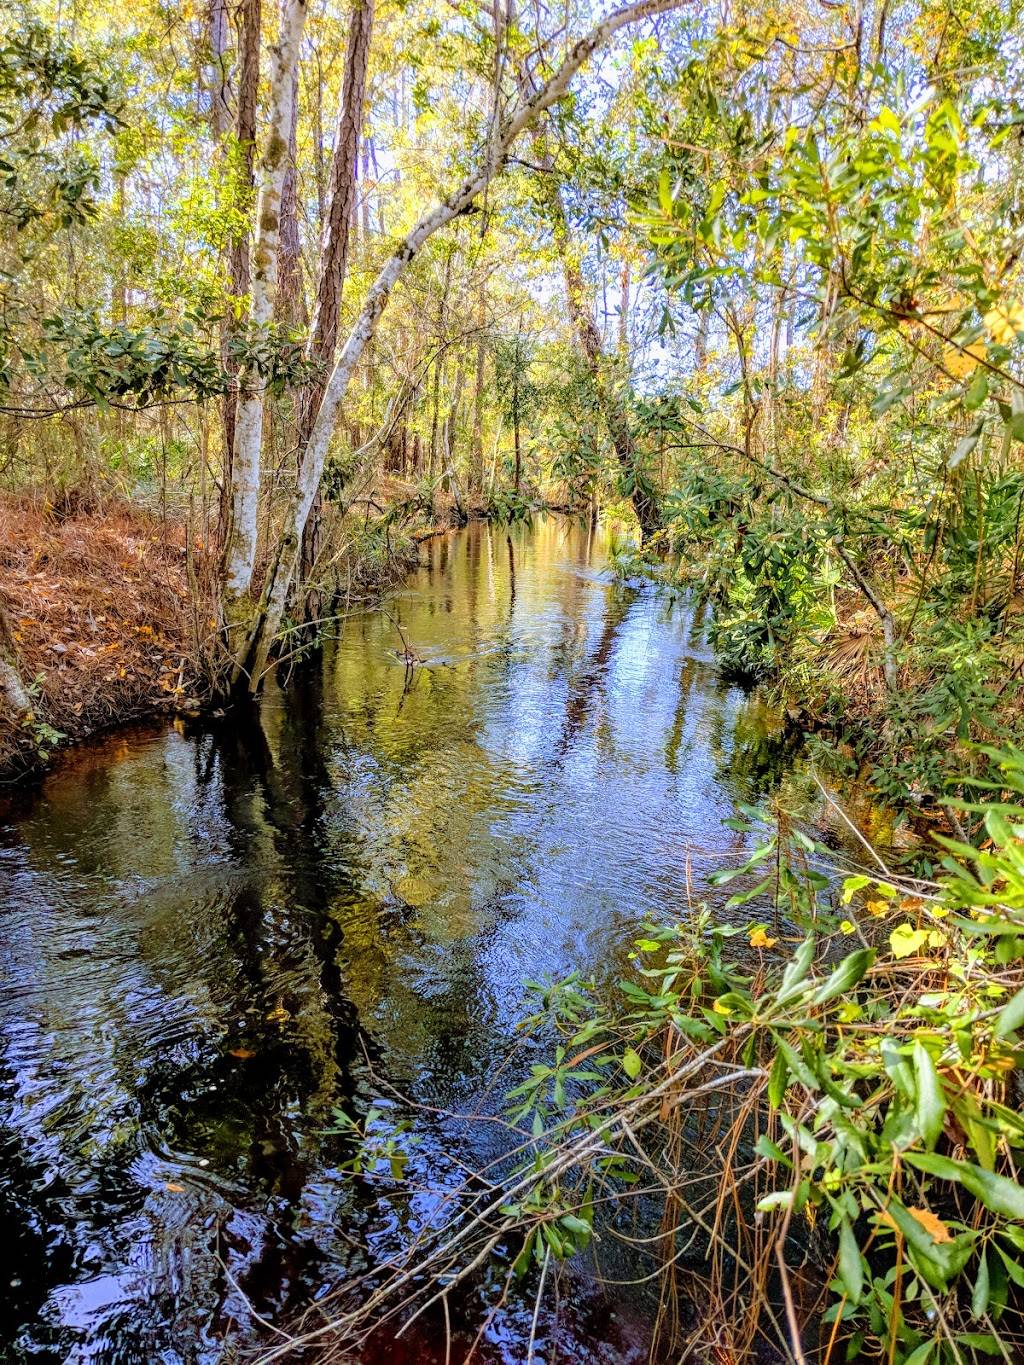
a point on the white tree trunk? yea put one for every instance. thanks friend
(240, 550)
(253, 654)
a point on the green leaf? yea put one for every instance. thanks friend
(632, 1064)
(851, 1267)
(920, 1354)
(522, 1261)
(796, 972)
(930, 1110)
(1011, 1016)
(977, 391)
(996, 1192)
(979, 1296)
(965, 445)
(777, 1078)
(851, 885)
(845, 976)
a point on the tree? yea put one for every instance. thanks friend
(252, 650)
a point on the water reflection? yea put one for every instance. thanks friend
(210, 937)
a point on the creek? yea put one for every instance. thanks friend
(212, 933)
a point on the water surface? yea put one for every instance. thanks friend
(210, 936)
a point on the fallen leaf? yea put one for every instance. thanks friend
(174, 1189)
(242, 1052)
(278, 1015)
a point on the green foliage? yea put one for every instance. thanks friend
(380, 1144)
(874, 1091)
(48, 88)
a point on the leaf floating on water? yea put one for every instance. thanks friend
(243, 1052)
(174, 1189)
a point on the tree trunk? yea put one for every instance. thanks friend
(290, 305)
(13, 693)
(218, 39)
(616, 419)
(334, 244)
(435, 416)
(476, 477)
(249, 18)
(240, 549)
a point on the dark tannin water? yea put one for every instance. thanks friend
(211, 936)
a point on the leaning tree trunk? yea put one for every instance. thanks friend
(253, 652)
(240, 548)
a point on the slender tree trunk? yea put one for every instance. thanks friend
(334, 245)
(240, 550)
(616, 419)
(219, 41)
(249, 18)
(476, 477)
(625, 355)
(290, 305)
(435, 416)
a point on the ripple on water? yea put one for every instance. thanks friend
(205, 935)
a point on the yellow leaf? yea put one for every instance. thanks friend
(905, 940)
(847, 927)
(719, 1008)
(876, 908)
(759, 939)
(1004, 321)
(960, 361)
(278, 1015)
(934, 1226)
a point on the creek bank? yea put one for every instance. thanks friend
(106, 617)
(108, 612)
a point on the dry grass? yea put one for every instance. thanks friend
(109, 614)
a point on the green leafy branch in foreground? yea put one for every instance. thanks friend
(878, 1122)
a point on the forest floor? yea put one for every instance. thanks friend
(108, 616)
